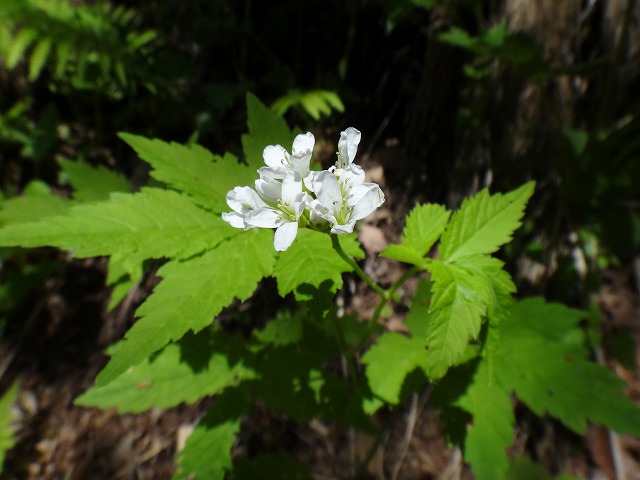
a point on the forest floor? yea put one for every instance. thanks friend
(57, 351)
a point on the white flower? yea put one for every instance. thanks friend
(347, 147)
(242, 201)
(291, 202)
(280, 163)
(342, 200)
(288, 194)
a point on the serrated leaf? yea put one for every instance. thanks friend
(92, 184)
(500, 283)
(553, 375)
(193, 169)
(7, 428)
(424, 225)
(192, 293)
(458, 304)
(484, 223)
(492, 429)
(207, 453)
(390, 360)
(312, 260)
(154, 223)
(265, 128)
(36, 203)
(186, 371)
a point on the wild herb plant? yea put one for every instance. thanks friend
(468, 335)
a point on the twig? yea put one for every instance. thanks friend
(614, 439)
(417, 404)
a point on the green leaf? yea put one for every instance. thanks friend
(193, 169)
(492, 429)
(458, 304)
(265, 128)
(390, 360)
(36, 203)
(523, 468)
(7, 428)
(192, 293)
(499, 282)
(186, 371)
(122, 275)
(20, 43)
(312, 260)
(418, 315)
(424, 225)
(551, 372)
(93, 183)
(207, 453)
(459, 38)
(484, 223)
(151, 224)
(39, 57)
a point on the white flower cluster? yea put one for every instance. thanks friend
(288, 195)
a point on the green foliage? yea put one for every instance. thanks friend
(192, 293)
(314, 102)
(185, 371)
(207, 453)
(465, 329)
(37, 202)
(538, 353)
(424, 225)
(97, 47)
(484, 223)
(516, 49)
(522, 468)
(7, 429)
(91, 184)
(395, 356)
(128, 224)
(205, 177)
(311, 260)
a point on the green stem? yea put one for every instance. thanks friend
(338, 248)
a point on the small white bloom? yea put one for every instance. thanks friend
(343, 200)
(347, 147)
(280, 163)
(291, 202)
(242, 201)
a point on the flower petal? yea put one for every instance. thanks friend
(346, 228)
(264, 218)
(234, 219)
(274, 155)
(327, 190)
(244, 199)
(285, 235)
(277, 173)
(364, 199)
(291, 186)
(303, 143)
(348, 146)
(269, 188)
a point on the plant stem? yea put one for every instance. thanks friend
(338, 248)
